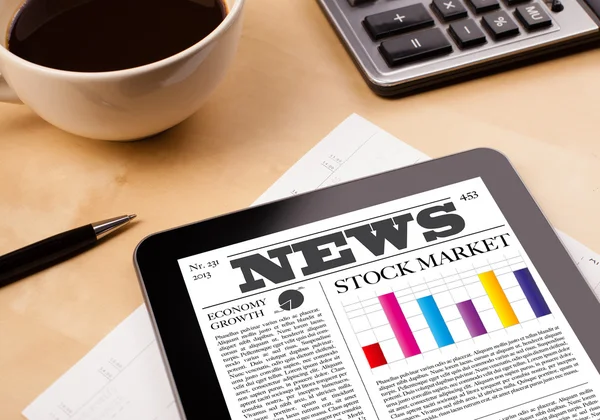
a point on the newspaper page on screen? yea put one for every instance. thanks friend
(425, 307)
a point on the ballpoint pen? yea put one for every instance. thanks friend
(50, 251)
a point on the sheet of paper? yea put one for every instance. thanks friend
(586, 260)
(356, 148)
(123, 377)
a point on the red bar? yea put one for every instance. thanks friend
(374, 355)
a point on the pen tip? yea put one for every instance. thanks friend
(132, 216)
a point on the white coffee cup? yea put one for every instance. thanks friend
(127, 104)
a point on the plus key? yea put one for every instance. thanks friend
(392, 22)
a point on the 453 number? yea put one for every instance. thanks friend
(469, 196)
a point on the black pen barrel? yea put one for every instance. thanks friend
(45, 253)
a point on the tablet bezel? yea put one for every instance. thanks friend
(175, 323)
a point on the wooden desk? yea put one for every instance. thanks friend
(291, 83)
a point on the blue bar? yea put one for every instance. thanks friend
(436, 322)
(532, 292)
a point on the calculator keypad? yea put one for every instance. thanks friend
(406, 41)
(466, 33)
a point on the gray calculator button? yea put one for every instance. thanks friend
(415, 46)
(533, 16)
(396, 21)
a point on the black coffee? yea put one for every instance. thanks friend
(106, 35)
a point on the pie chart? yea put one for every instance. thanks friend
(290, 299)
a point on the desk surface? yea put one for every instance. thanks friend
(291, 83)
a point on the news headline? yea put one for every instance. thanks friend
(434, 222)
(236, 314)
(419, 264)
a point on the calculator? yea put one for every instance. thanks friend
(403, 46)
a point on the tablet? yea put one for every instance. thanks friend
(436, 291)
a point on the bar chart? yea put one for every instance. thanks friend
(425, 315)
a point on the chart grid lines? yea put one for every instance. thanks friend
(429, 314)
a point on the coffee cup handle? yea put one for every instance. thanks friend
(7, 94)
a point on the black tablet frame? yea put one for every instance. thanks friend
(182, 346)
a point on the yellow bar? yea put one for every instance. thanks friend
(498, 298)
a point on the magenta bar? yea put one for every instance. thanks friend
(471, 317)
(399, 325)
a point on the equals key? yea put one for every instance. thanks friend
(415, 46)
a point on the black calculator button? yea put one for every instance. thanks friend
(467, 34)
(449, 9)
(513, 2)
(500, 25)
(533, 16)
(397, 21)
(557, 6)
(415, 46)
(481, 6)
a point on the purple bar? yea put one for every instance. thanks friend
(471, 317)
(532, 292)
(399, 325)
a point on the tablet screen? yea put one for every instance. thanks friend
(425, 307)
